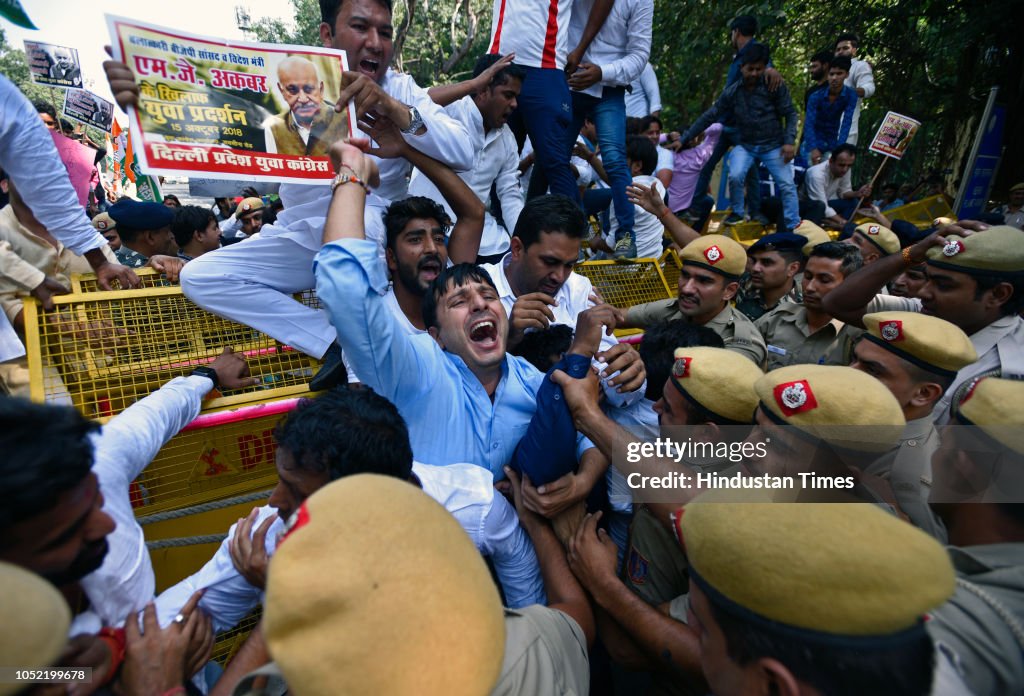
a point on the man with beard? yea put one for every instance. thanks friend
(805, 333)
(69, 481)
(69, 517)
(975, 281)
(253, 283)
(708, 281)
(460, 371)
(485, 114)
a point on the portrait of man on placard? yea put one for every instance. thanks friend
(308, 123)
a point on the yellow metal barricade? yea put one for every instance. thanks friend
(920, 213)
(670, 267)
(746, 233)
(112, 348)
(624, 284)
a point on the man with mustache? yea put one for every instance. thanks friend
(805, 333)
(708, 281)
(310, 124)
(774, 261)
(253, 283)
(975, 280)
(69, 517)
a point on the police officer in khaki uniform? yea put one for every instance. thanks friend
(416, 601)
(917, 357)
(975, 282)
(830, 421)
(708, 281)
(874, 241)
(804, 333)
(795, 599)
(706, 385)
(815, 235)
(776, 262)
(982, 625)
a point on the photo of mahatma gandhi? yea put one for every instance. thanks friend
(309, 124)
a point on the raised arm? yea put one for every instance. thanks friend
(443, 95)
(464, 245)
(848, 302)
(647, 198)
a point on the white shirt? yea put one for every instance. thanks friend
(640, 420)
(622, 46)
(123, 449)
(572, 298)
(496, 161)
(528, 29)
(645, 97)
(820, 185)
(28, 155)
(466, 491)
(860, 77)
(11, 346)
(305, 206)
(666, 160)
(647, 228)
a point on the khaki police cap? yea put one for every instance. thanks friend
(717, 253)
(815, 235)
(931, 343)
(997, 407)
(821, 570)
(248, 205)
(879, 236)
(996, 251)
(37, 619)
(840, 405)
(377, 589)
(719, 381)
(1017, 187)
(103, 222)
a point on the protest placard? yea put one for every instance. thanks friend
(85, 107)
(232, 110)
(53, 66)
(894, 135)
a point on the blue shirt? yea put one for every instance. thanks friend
(449, 414)
(828, 122)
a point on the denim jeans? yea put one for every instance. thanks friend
(740, 160)
(609, 116)
(545, 114)
(704, 180)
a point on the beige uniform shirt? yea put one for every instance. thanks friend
(981, 628)
(908, 470)
(736, 330)
(1000, 347)
(545, 654)
(30, 259)
(789, 340)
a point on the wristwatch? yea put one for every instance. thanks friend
(209, 372)
(415, 121)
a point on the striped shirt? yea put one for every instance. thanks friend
(537, 32)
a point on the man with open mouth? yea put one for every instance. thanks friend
(459, 371)
(254, 283)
